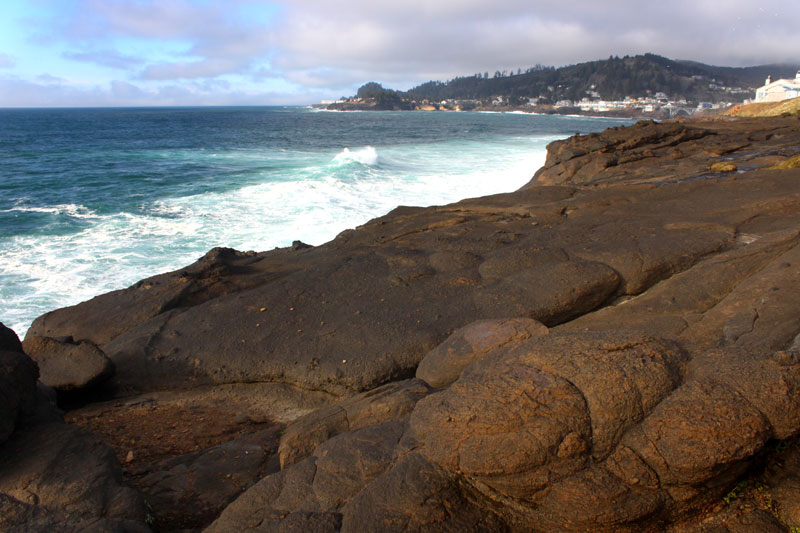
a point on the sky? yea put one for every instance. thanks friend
(287, 52)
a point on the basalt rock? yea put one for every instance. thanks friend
(18, 394)
(614, 347)
(67, 366)
(444, 364)
(201, 484)
(9, 342)
(58, 477)
(389, 402)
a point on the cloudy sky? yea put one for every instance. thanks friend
(239, 52)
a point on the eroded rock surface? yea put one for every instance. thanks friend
(67, 366)
(614, 347)
(54, 476)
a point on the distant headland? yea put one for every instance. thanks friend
(646, 85)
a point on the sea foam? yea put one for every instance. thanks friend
(288, 175)
(367, 155)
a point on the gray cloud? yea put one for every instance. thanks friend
(328, 48)
(451, 38)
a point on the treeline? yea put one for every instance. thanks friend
(610, 79)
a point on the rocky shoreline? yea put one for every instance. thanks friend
(613, 347)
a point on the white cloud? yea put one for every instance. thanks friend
(54, 92)
(105, 58)
(204, 68)
(323, 48)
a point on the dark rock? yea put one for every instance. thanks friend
(583, 159)
(57, 477)
(18, 397)
(550, 293)
(9, 342)
(389, 402)
(733, 520)
(416, 495)
(549, 404)
(207, 481)
(671, 364)
(65, 366)
(655, 253)
(318, 485)
(669, 307)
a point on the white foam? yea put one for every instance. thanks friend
(72, 210)
(367, 155)
(319, 201)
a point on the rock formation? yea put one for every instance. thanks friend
(613, 347)
(54, 476)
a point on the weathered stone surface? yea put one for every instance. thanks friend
(207, 481)
(67, 366)
(318, 485)
(9, 342)
(416, 495)
(20, 517)
(733, 520)
(389, 402)
(412, 277)
(18, 374)
(783, 481)
(653, 253)
(584, 159)
(442, 365)
(723, 166)
(549, 404)
(57, 477)
(550, 293)
(760, 314)
(587, 428)
(710, 287)
(605, 431)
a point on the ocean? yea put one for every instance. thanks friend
(93, 200)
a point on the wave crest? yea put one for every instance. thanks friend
(71, 210)
(366, 156)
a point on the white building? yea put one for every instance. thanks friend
(775, 91)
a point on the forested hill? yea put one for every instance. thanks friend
(610, 79)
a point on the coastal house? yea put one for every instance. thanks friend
(775, 91)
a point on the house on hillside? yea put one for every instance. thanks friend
(775, 91)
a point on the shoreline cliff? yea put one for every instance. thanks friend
(613, 347)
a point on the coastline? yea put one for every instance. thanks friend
(549, 111)
(595, 324)
(249, 195)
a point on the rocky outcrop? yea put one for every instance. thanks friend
(200, 484)
(67, 366)
(18, 395)
(388, 402)
(54, 476)
(444, 364)
(9, 342)
(613, 347)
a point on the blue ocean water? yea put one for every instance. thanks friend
(92, 200)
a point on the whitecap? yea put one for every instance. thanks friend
(367, 155)
(71, 210)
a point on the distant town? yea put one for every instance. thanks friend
(640, 86)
